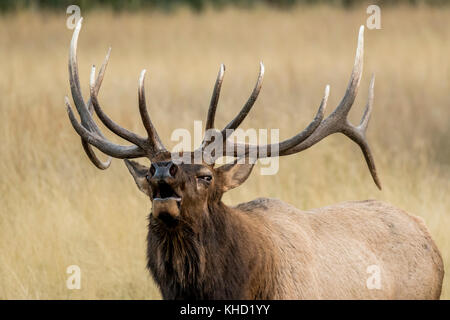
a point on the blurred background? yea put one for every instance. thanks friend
(57, 209)
(199, 5)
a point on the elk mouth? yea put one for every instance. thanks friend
(166, 204)
(165, 192)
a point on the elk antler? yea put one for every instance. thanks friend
(153, 148)
(89, 131)
(318, 129)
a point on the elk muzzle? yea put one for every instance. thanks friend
(166, 202)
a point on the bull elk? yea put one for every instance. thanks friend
(200, 248)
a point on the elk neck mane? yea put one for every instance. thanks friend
(209, 257)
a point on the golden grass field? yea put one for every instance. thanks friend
(57, 209)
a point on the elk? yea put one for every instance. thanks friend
(200, 248)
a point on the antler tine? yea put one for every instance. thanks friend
(86, 146)
(74, 80)
(368, 110)
(358, 134)
(88, 129)
(101, 72)
(248, 105)
(337, 121)
(352, 89)
(102, 165)
(153, 138)
(215, 98)
(99, 80)
(79, 102)
(110, 124)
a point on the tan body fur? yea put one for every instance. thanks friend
(324, 253)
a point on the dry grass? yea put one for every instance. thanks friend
(57, 209)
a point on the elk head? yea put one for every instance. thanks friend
(180, 190)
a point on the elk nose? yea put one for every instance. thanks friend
(163, 172)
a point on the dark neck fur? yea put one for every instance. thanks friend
(216, 257)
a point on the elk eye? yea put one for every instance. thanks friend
(206, 178)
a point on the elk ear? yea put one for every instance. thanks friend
(233, 175)
(139, 173)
